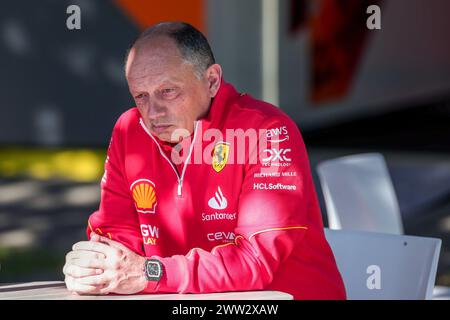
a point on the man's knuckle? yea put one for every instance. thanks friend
(69, 255)
(69, 270)
(92, 263)
(69, 283)
(91, 290)
(114, 254)
(76, 272)
(116, 264)
(85, 263)
(114, 282)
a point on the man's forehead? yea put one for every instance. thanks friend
(156, 76)
(153, 58)
(147, 81)
(156, 48)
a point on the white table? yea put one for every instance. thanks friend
(56, 290)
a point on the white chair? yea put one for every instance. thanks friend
(385, 266)
(359, 194)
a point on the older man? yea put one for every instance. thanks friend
(237, 217)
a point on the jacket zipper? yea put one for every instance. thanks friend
(180, 179)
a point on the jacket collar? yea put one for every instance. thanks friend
(219, 106)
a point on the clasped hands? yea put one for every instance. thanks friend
(101, 266)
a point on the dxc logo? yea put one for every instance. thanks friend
(274, 155)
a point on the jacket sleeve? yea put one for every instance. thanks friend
(116, 217)
(272, 220)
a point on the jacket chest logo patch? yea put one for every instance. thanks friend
(218, 201)
(220, 156)
(144, 195)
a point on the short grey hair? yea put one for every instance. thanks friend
(191, 43)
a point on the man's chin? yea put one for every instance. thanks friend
(172, 134)
(166, 137)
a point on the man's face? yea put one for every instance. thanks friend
(166, 90)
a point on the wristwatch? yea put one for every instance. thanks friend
(153, 269)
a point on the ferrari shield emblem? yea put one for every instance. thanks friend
(220, 156)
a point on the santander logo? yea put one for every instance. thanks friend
(219, 201)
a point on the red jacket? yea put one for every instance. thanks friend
(226, 222)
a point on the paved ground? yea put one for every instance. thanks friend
(40, 220)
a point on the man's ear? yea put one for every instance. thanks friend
(214, 77)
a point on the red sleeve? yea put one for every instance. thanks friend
(272, 215)
(116, 217)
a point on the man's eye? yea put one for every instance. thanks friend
(139, 96)
(168, 92)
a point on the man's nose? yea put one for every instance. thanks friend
(155, 111)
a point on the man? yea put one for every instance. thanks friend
(170, 221)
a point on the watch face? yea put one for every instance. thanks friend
(153, 270)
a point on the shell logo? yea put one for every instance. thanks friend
(144, 195)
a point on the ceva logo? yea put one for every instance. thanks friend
(218, 202)
(221, 236)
